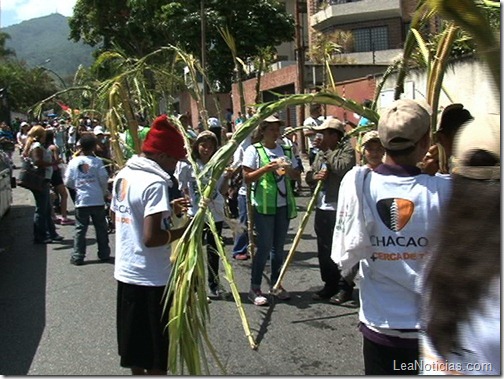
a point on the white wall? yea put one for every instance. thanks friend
(468, 82)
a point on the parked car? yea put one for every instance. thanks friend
(7, 182)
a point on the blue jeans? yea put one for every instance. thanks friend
(82, 216)
(241, 240)
(270, 240)
(43, 224)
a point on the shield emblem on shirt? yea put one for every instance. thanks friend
(395, 213)
(84, 168)
(121, 189)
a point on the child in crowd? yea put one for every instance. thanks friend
(203, 149)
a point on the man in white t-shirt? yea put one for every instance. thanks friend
(142, 213)
(384, 220)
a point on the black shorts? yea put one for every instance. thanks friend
(56, 178)
(142, 332)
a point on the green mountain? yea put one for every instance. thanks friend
(44, 42)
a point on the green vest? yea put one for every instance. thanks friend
(264, 191)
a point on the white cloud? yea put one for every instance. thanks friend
(28, 9)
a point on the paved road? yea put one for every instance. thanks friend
(59, 319)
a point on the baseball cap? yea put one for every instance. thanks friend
(331, 123)
(214, 122)
(403, 124)
(371, 135)
(24, 123)
(98, 130)
(480, 133)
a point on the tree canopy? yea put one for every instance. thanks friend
(139, 27)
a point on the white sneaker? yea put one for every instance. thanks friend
(257, 297)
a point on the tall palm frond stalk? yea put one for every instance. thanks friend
(299, 234)
(230, 41)
(469, 16)
(189, 312)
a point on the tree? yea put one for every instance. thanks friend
(4, 52)
(24, 86)
(139, 27)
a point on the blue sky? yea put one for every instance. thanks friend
(15, 11)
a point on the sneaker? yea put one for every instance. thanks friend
(324, 294)
(214, 294)
(341, 297)
(67, 221)
(57, 220)
(76, 262)
(241, 257)
(280, 293)
(257, 298)
(57, 237)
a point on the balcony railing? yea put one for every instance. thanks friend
(338, 12)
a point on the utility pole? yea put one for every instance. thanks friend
(203, 53)
(300, 8)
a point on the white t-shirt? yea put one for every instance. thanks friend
(47, 157)
(393, 230)
(238, 160)
(88, 176)
(136, 195)
(251, 160)
(187, 182)
(405, 210)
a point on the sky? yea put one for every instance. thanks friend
(15, 11)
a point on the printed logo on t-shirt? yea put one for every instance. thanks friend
(84, 168)
(395, 213)
(121, 189)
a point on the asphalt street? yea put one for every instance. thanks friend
(58, 319)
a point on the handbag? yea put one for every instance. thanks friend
(30, 176)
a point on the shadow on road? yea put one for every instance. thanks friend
(22, 291)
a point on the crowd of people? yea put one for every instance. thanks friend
(387, 202)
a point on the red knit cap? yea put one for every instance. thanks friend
(164, 137)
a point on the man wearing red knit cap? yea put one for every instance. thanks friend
(142, 213)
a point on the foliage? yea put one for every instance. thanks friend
(328, 46)
(139, 27)
(25, 86)
(4, 51)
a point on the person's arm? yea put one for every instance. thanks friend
(103, 176)
(154, 236)
(250, 175)
(251, 171)
(68, 179)
(341, 160)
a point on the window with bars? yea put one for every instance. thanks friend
(371, 39)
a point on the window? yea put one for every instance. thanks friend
(371, 39)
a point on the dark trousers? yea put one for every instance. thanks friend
(324, 228)
(43, 224)
(212, 255)
(329, 271)
(97, 216)
(241, 240)
(385, 360)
